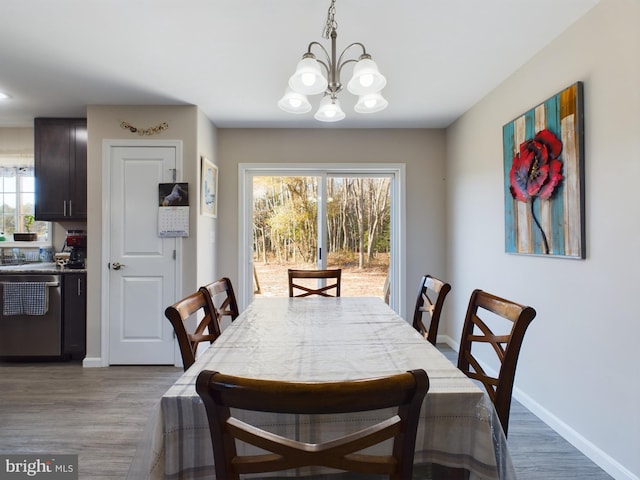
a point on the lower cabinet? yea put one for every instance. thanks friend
(74, 315)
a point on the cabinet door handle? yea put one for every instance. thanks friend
(79, 287)
(71, 208)
(64, 208)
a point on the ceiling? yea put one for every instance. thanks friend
(233, 58)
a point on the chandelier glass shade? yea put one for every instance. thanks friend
(370, 103)
(308, 78)
(294, 102)
(329, 110)
(314, 76)
(366, 78)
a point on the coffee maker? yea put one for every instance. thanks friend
(76, 244)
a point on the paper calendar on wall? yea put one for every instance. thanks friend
(173, 211)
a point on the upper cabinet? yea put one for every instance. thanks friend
(61, 168)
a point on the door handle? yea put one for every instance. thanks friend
(117, 266)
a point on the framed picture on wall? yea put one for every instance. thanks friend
(543, 152)
(209, 188)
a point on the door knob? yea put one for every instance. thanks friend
(117, 266)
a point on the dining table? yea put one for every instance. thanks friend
(325, 339)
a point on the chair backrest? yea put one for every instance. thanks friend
(306, 290)
(222, 299)
(220, 392)
(506, 346)
(431, 295)
(207, 328)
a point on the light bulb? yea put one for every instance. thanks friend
(370, 102)
(366, 80)
(330, 113)
(295, 102)
(308, 79)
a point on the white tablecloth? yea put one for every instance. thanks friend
(322, 339)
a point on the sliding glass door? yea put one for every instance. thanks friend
(339, 217)
(285, 230)
(358, 232)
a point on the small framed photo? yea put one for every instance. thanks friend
(209, 188)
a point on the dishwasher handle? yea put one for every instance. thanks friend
(46, 284)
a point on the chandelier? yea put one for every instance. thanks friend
(308, 79)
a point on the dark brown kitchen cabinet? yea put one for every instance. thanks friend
(74, 315)
(61, 168)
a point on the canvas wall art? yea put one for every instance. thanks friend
(544, 178)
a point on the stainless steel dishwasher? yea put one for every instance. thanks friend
(30, 335)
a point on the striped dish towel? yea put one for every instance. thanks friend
(25, 298)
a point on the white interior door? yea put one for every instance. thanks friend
(142, 273)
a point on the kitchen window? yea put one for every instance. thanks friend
(17, 197)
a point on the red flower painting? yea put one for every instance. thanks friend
(536, 171)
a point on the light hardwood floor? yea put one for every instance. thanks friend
(99, 414)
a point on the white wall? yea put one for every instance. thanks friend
(577, 368)
(16, 141)
(206, 232)
(421, 150)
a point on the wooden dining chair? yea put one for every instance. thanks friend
(476, 330)
(186, 311)
(431, 296)
(222, 299)
(220, 392)
(299, 288)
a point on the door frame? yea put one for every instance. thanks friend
(246, 171)
(105, 313)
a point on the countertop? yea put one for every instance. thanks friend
(38, 268)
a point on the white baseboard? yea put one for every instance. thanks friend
(92, 362)
(591, 451)
(449, 341)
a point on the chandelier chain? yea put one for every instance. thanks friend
(331, 21)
